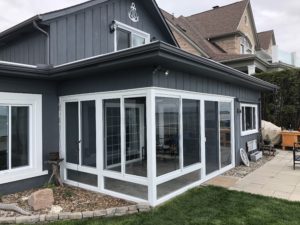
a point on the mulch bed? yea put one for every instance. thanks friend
(242, 171)
(70, 199)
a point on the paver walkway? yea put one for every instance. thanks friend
(276, 179)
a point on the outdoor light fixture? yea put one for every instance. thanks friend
(112, 27)
(160, 69)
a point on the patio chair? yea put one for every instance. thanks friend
(296, 154)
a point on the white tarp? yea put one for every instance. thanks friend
(272, 130)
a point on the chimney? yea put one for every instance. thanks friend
(216, 7)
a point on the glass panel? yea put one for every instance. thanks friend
(4, 119)
(112, 135)
(243, 119)
(19, 136)
(132, 189)
(191, 132)
(178, 183)
(84, 178)
(167, 135)
(137, 40)
(123, 39)
(225, 133)
(72, 138)
(249, 118)
(212, 136)
(136, 151)
(254, 117)
(88, 127)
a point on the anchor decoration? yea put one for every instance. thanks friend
(133, 13)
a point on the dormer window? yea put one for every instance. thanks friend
(128, 37)
(246, 47)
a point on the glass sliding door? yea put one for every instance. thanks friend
(112, 134)
(191, 132)
(88, 133)
(135, 128)
(212, 137)
(4, 135)
(72, 133)
(167, 135)
(225, 134)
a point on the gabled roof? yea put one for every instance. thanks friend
(265, 39)
(219, 21)
(151, 6)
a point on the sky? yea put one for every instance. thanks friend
(281, 16)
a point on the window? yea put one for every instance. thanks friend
(20, 137)
(246, 47)
(249, 119)
(128, 37)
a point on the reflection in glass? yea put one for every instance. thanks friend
(19, 136)
(4, 118)
(72, 136)
(212, 136)
(225, 133)
(191, 132)
(137, 40)
(88, 133)
(123, 39)
(167, 135)
(112, 135)
(135, 121)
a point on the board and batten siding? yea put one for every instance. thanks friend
(191, 82)
(86, 33)
(26, 49)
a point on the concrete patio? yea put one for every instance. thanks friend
(276, 179)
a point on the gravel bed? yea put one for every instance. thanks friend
(242, 171)
(70, 199)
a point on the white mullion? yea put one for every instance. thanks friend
(79, 133)
(202, 137)
(181, 133)
(9, 137)
(219, 130)
(123, 137)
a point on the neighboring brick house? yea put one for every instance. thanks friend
(228, 35)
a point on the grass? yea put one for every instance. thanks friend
(211, 206)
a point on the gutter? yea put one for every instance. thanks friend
(48, 41)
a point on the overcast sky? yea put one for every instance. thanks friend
(282, 16)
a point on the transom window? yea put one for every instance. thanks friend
(246, 47)
(128, 37)
(249, 119)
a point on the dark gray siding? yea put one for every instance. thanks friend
(192, 82)
(107, 81)
(50, 119)
(86, 33)
(27, 49)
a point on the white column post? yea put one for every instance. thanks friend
(251, 69)
(151, 147)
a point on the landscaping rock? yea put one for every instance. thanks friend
(110, 212)
(89, 214)
(27, 219)
(132, 208)
(143, 207)
(121, 211)
(41, 199)
(42, 218)
(56, 209)
(51, 217)
(8, 220)
(100, 213)
(75, 216)
(64, 216)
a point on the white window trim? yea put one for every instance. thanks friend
(35, 167)
(249, 132)
(130, 29)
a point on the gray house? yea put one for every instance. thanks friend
(133, 116)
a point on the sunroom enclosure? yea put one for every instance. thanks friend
(145, 145)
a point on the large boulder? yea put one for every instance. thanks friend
(272, 131)
(41, 199)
